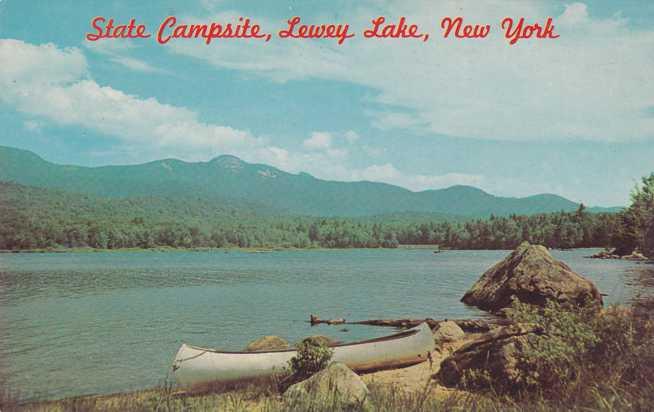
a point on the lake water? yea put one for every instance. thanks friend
(73, 324)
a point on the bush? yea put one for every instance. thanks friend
(551, 359)
(313, 355)
(576, 358)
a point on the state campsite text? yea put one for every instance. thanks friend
(172, 29)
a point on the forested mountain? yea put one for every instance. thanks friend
(35, 218)
(229, 179)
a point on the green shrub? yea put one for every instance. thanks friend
(473, 379)
(578, 357)
(313, 355)
(551, 359)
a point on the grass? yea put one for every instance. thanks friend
(381, 398)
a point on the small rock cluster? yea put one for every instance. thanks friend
(611, 254)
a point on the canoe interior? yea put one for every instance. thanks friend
(194, 365)
(395, 336)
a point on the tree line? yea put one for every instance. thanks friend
(635, 230)
(32, 218)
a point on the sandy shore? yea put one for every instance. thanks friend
(418, 378)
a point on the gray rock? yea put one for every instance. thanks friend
(267, 343)
(448, 331)
(335, 380)
(533, 276)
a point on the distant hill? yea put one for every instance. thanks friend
(43, 219)
(229, 179)
(38, 204)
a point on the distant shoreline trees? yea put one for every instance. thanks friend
(32, 218)
(636, 228)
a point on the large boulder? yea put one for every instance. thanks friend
(267, 343)
(448, 331)
(533, 276)
(335, 380)
(496, 353)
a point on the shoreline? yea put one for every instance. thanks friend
(271, 249)
(408, 379)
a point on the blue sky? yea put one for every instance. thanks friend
(572, 116)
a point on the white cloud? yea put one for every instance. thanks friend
(574, 13)
(136, 64)
(54, 84)
(594, 82)
(373, 151)
(388, 173)
(351, 136)
(385, 172)
(327, 140)
(386, 120)
(37, 66)
(318, 141)
(333, 166)
(33, 126)
(277, 60)
(211, 5)
(117, 52)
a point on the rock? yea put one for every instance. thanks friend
(635, 255)
(533, 276)
(336, 378)
(320, 340)
(605, 254)
(496, 352)
(448, 331)
(267, 343)
(612, 254)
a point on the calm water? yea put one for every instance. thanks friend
(74, 324)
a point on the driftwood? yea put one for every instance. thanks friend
(468, 325)
(315, 320)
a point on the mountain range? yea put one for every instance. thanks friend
(230, 178)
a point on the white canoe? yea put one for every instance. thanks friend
(194, 365)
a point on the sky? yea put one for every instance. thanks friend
(572, 116)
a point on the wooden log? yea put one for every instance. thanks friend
(315, 320)
(468, 325)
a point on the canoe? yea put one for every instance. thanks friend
(195, 365)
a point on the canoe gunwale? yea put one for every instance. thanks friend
(393, 351)
(399, 335)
